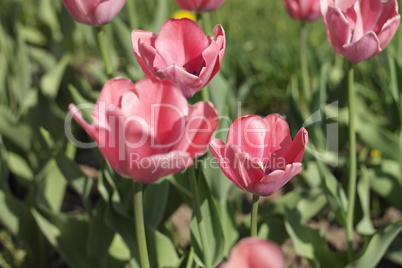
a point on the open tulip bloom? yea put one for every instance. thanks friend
(147, 130)
(198, 6)
(94, 12)
(259, 155)
(180, 52)
(360, 29)
(303, 9)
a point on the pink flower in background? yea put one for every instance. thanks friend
(180, 52)
(360, 29)
(253, 252)
(147, 130)
(259, 155)
(198, 6)
(303, 9)
(94, 12)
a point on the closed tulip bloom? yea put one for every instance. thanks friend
(94, 12)
(198, 6)
(147, 130)
(306, 10)
(253, 252)
(259, 155)
(360, 29)
(180, 52)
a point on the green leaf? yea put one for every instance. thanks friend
(9, 126)
(17, 219)
(50, 82)
(365, 225)
(309, 207)
(51, 187)
(273, 229)
(386, 180)
(100, 237)
(155, 210)
(311, 244)
(334, 192)
(162, 252)
(19, 166)
(81, 183)
(68, 234)
(215, 244)
(229, 228)
(377, 246)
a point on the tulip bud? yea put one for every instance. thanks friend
(94, 12)
(306, 10)
(198, 6)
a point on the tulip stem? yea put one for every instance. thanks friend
(205, 94)
(352, 163)
(105, 55)
(306, 96)
(132, 13)
(198, 215)
(139, 225)
(254, 215)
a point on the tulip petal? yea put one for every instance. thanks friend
(338, 30)
(188, 83)
(277, 138)
(370, 10)
(248, 132)
(143, 43)
(210, 5)
(202, 121)
(275, 180)
(162, 106)
(247, 169)
(389, 11)
(181, 42)
(213, 55)
(218, 151)
(294, 152)
(365, 48)
(105, 11)
(388, 31)
(253, 252)
(150, 169)
(112, 92)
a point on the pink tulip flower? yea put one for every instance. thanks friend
(259, 155)
(360, 29)
(147, 130)
(198, 6)
(306, 10)
(180, 52)
(94, 12)
(253, 252)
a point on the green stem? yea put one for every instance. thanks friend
(105, 55)
(201, 21)
(254, 215)
(139, 225)
(132, 13)
(352, 163)
(306, 96)
(205, 94)
(198, 215)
